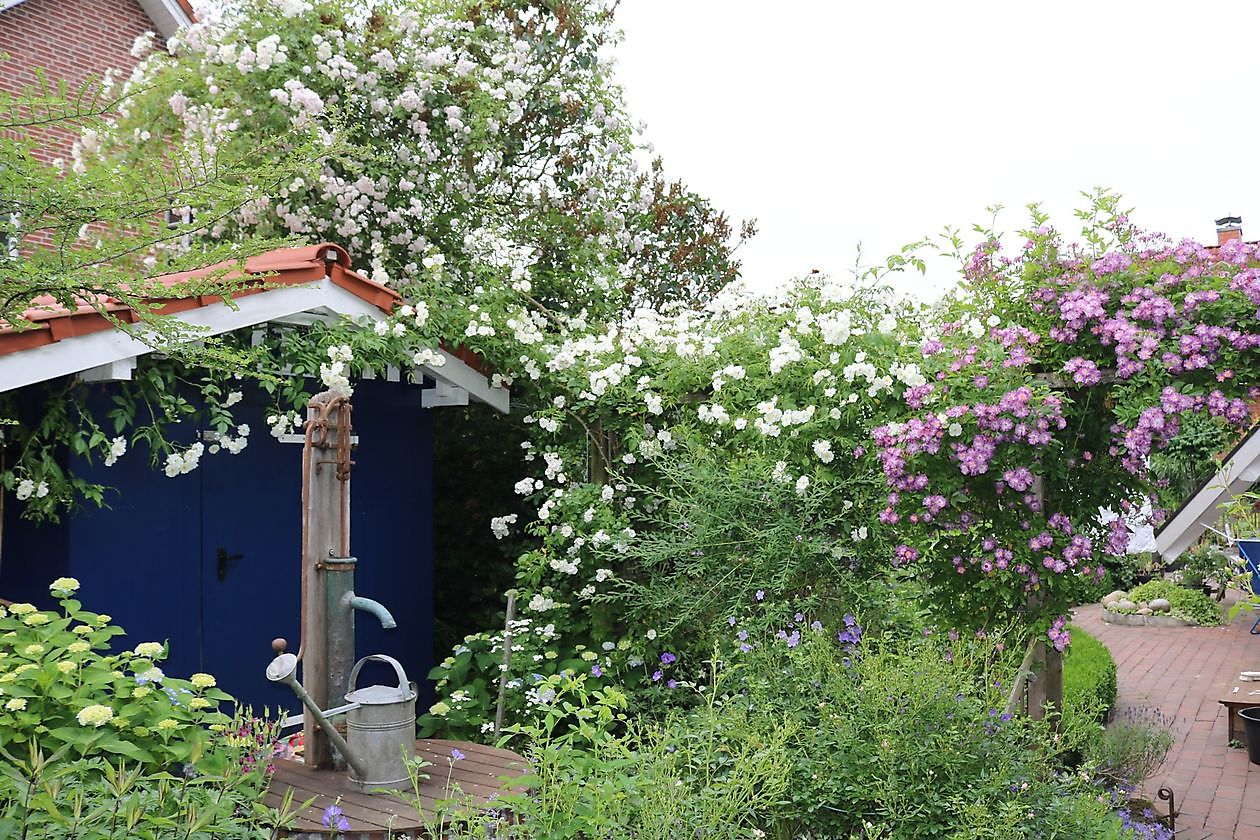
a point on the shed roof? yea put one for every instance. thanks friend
(291, 285)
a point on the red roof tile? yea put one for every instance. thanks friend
(52, 322)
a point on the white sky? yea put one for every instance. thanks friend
(833, 122)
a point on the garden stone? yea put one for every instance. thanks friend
(1145, 611)
(1111, 598)
(1125, 604)
(1161, 605)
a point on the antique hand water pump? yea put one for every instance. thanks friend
(326, 648)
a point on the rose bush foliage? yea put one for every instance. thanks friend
(479, 160)
(776, 445)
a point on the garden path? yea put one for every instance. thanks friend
(1182, 671)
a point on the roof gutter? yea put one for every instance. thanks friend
(169, 16)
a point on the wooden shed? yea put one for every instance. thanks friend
(209, 561)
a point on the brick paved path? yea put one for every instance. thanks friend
(1182, 671)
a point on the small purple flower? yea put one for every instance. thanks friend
(656, 676)
(597, 671)
(456, 755)
(334, 819)
(668, 659)
(731, 621)
(671, 684)
(761, 595)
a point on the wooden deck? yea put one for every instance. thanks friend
(479, 776)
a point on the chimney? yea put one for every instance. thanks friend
(1227, 228)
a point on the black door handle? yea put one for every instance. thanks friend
(224, 557)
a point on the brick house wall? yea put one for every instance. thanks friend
(70, 40)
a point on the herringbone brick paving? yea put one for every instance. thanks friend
(1182, 671)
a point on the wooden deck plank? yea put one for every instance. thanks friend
(480, 776)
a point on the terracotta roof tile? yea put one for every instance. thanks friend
(52, 322)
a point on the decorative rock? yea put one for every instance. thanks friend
(1145, 611)
(1111, 598)
(1160, 605)
(1124, 604)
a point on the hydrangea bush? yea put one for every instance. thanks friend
(60, 686)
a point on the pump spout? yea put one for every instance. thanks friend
(375, 608)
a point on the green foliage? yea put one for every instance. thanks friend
(97, 234)
(1132, 747)
(899, 740)
(1089, 676)
(63, 692)
(474, 453)
(1208, 564)
(1128, 570)
(1188, 604)
(1188, 459)
(100, 799)
(100, 745)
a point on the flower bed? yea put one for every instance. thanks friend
(1161, 603)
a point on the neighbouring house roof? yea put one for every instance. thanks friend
(168, 16)
(294, 286)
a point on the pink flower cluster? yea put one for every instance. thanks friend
(1059, 635)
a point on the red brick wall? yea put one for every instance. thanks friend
(72, 40)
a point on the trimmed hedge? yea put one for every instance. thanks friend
(1189, 604)
(1089, 676)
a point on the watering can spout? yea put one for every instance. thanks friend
(376, 608)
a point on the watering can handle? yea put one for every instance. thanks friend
(379, 657)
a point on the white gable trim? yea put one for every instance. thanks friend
(319, 300)
(167, 15)
(1236, 475)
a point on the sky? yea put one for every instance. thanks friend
(835, 123)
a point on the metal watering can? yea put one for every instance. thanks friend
(380, 722)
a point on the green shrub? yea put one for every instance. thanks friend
(1089, 676)
(1188, 604)
(62, 688)
(1132, 747)
(99, 745)
(798, 731)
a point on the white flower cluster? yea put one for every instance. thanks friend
(27, 488)
(333, 373)
(117, 448)
(180, 463)
(233, 445)
(501, 525)
(283, 424)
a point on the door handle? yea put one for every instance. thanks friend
(224, 558)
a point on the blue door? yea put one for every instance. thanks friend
(250, 559)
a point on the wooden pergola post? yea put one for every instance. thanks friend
(1045, 685)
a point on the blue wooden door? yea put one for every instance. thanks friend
(250, 559)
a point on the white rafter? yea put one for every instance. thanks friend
(320, 300)
(1238, 472)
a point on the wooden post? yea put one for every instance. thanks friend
(1045, 687)
(325, 533)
